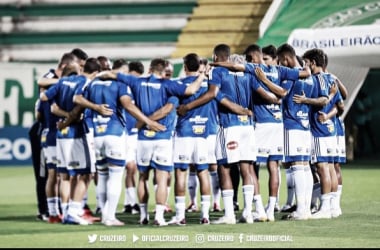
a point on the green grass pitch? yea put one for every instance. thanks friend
(358, 227)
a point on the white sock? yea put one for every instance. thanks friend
(51, 202)
(180, 207)
(334, 201)
(271, 204)
(227, 196)
(75, 208)
(309, 182)
(248, 197)
(192, 187)
(259, 204)
(64, 207)
(143, 211)
(101, 188)
(205, 206)
(114, 186)
(339, 193)
(130, 196)
(215, 187)
(325, 202)
(300, 186)
(290, 186)
(160, 209)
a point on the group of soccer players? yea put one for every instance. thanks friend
(234, 113)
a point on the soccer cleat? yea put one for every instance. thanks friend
(192, 208)
(314, 209)
(335, 213)
(113, 223)
(270, 217)
(135, 209)
(225, 220)
(127, 209)
(160, 223)
(42, 217)
(295, 216)
(216, 208)
(87, 211)
(75, 219)
(259, 217)
(145, 221)
(321, 214)
(91, 219)
(205, 221)
(288, 208)
(175, 221)
(54, 219)
(246, 219)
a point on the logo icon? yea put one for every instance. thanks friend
(135, 238)
(199, 238)
(241, 237)
(92, 238)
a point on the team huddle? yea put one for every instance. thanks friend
(267, 106)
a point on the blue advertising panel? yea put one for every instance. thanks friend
(15, 146)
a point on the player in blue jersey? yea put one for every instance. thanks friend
(213, 167)
(130, 198)
(155, 149)
(341, 143)
(323, 131)
(190, 146)
(48, 140)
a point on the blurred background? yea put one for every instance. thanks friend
(35, 33)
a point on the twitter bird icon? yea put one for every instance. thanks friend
(92, 238)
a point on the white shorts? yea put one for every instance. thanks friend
(190, 150)
(131, 148)
(110, 149)
(297, 145)
(323, 149)
(341, 149)
(211, 143)
(235, 144)
(269, 141)
(155, 153)
(50, 153)
(74, 155)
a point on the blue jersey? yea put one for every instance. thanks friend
(265, 112)
(107, 92)
(328, 128)
(237, 86)
(151, 94)
(296, 115)
(196, 122)
(48, 119)
(62, 93)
